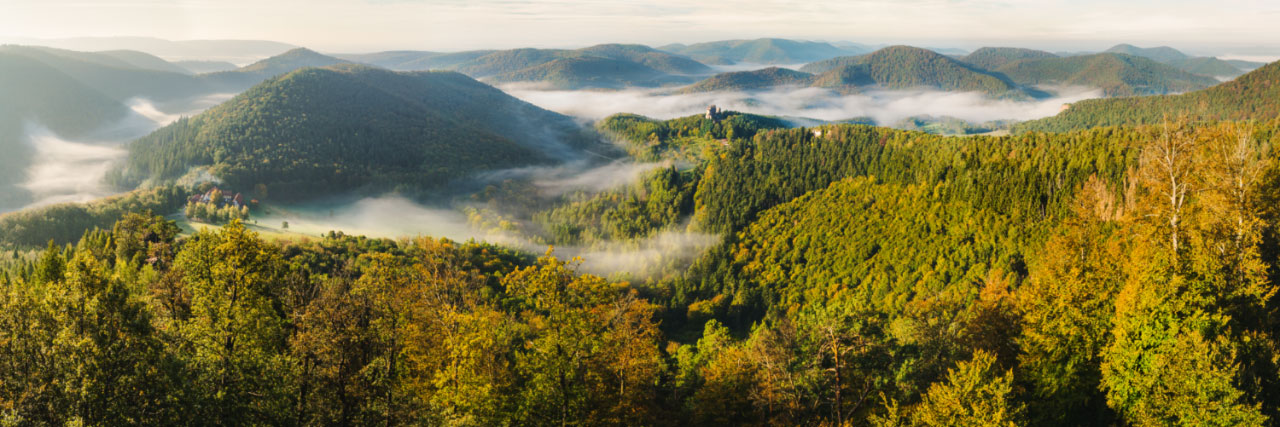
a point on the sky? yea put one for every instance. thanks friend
(1244, 27)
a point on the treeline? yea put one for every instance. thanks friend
(687, 138)
(133, 326)
(1029, 175)
(315, 132)
(64, 223)
(1253, 96)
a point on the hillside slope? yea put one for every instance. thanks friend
(761, 51)
(1114, 74)
(317, 131)
(1202, 65)
(584, 73)
(906, 67)
(33, 93)
(254, 73)
(992, 58)
(751, 80)
(1253, 96)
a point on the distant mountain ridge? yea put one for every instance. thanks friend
(1115, 74)
(608, 66)
(767, 51)
(992, 58)
(316, 131)
(1253, 96)
(1208, 66)
(894, 67)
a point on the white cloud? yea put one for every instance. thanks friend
(886, 108)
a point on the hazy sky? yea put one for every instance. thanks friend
(1217, 26)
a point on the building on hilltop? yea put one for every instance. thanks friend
(236, 200)
(713, 114)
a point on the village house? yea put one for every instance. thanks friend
(227, 199)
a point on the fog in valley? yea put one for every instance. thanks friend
(67, 170)
(885, 107)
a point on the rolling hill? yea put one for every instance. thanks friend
(1162, 54)
(647, 56)
(991, 58)
(412, 60)
(611, 66)
(116, 77)
(1202, 65)
(251, 74)
(761, 51)
(1114, 74)
(586, 72)
(202, 67)
(319, 131)
(906, 67)
(1253, 96)
(32, 92)
(236, 51)
(751, 80)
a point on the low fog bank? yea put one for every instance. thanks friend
(396, 216)
(66, 170)
(575, 176)
(885, 107)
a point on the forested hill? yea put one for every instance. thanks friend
(585, 72)
(906, 67)
(751, 80)
(761, 51)
(1162, 54)
(1253, 96)
(34, 93)
(599, 66)
(1115, 74)
(1202, 65)
(107, 73)
(251, 74)
(321, 130)
(992, 58)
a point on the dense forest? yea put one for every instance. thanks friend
(326, 130)
(1253, 96)
(1114, 74)
(761, 51)
(866, 276)
(1114, 265)
(906, 67)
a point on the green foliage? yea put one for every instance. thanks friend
(906, 67)
(661, 200)
(581, 72)
(992, 58)
(686, 138)
(319, 131)
(64, 223)
(1114, 74)
(975, 394)
(1249, 97)
(778, 166)
(766, 78)
(760, 51)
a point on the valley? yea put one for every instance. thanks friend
(705, 231)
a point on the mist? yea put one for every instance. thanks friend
(885, 107)
(392, 216)
(576, 175)
(66, 170)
